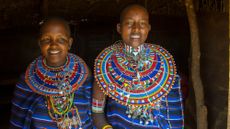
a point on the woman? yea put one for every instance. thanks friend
(136, 84)
(55, 90)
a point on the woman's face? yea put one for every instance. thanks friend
(54, 42)
(134, 26)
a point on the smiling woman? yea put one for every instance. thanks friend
(55, 90)
(136, 83)
(55, 41)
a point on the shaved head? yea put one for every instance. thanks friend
(132, 7)
(55, 21)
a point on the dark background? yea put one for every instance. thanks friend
(93, 26)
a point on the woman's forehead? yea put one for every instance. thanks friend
(134, 11)
(55, 26)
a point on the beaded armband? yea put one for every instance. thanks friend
(98, 106)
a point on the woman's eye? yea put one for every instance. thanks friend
(130, 23)
(45, 41)
(62, 40)
(143, 24)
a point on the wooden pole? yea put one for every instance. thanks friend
(201, 109)
(228, 121)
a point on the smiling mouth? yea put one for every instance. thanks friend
(54, 52)
(135, 36)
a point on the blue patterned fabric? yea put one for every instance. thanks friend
(29, 109)
(170, 115)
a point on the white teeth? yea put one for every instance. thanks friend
(135, 36)
(54, 52)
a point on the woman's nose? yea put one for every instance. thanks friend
(53, 43)
(136, 27)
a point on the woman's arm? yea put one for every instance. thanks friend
(21, 110)
(98, 103)
(173, 106)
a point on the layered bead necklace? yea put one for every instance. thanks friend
(58, 84)
(137, 78)
(62, 110)
(138, 60)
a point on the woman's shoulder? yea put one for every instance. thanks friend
(22, 85)
(156, 47)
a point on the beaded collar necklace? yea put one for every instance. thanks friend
(135, 56)
(129, 50)
(55, 69)
(136, 80)
(58, 84)
(57, 81)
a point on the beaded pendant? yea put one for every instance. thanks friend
(137, 78)
(58, 84)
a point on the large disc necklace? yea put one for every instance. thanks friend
(58, 84)
(137, 78)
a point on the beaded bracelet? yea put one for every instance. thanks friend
(98, 106)
(107, 127)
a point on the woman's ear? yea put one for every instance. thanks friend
(70, 42)
(39, 44)
(149, 27)
(119, 28)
